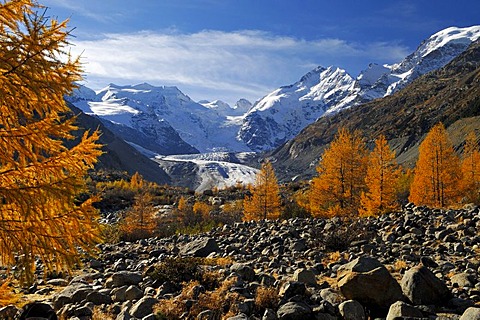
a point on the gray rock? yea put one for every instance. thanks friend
(305, 276)
(240, 316)
(244, 271)
(8, 312)
(293, 311)
(292, 288)
(200, 248)
(133, 293)
(98, 298)
(421, 286)
(75, 292)
(462, 280)
(143, 307)
(331, 296)
(367, 281)
(124, 278)
(352, 310)
(269, 314)
(471, 314)
(402, 309)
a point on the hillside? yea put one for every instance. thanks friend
(450, 95)
(119, 155)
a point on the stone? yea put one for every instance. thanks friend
(98, 298)
(305, 276)
(293, 311)
(8, 312)
(367, 281)
(269, 314)
(240, 316)
(351, 310)
(200, 248)
(37, 310)
(143, 307)
(292, 288)
(402, 309)
(244, 271)
(331, 296)
(462, 280)
(422, 287)
(133, 293)
(471, 313)
(124, 278)
(75, 292)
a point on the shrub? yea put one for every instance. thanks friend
(178, 270)
(266, 298)
(343, 234)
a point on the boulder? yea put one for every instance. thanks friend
(200, 248)
(421, 286)
(402, 309)
(367, 281)
(8, 312)
(351, 310)
(293, 311)
(244, 271)
(471, 313)
(143, 307)
(124, 278)
(306, 276)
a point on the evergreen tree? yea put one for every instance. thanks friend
(381, 181)
(264, 202)
(437, 171)
(341, 176)
(40, 178)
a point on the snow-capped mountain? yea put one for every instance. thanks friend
(282, 114)
(163, 119)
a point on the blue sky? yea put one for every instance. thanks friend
(227, 50)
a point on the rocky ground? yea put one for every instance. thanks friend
(417, 263)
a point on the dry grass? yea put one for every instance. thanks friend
(220, 301)
(266, 298)
(335, 257)
(7, 296)
(99, 314)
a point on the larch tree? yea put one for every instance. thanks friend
(437, 171)
(471, 169)
(40, 178)
(381, 181)
(264, 201)
(139, 221)
(341, 176)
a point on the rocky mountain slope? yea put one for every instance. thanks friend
(450, 95)
(282, 114)
(119, 155)
(416, 263)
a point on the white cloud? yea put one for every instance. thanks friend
(220, 65)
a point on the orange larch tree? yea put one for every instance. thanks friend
(381, 181)
(40, 178)
(264, 201)
(139, 221)
(471, 169)
(437, 171)
(341, 176)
